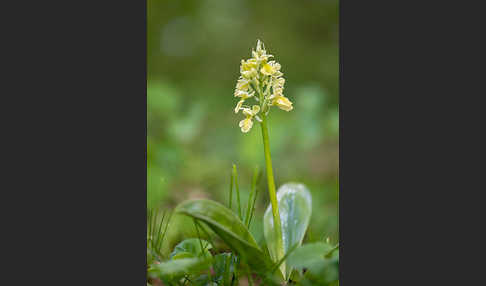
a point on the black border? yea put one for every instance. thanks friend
(77, 116)
(408, 129)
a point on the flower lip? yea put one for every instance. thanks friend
(246, 125)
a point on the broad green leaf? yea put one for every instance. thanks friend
(322, 272)
(178, 267)
(307, 254)
(191, 248)
(295, 208)
(321, 269)
(229, 228)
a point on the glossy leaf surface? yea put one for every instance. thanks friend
(295, 208)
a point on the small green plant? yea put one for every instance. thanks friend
(283, 259)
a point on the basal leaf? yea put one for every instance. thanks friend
(229, 228)
(322, 272)
(179, 267)
(191, 248)
(295, 208)
(307, 254)
(321, 261)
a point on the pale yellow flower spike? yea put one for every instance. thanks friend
(261, 80)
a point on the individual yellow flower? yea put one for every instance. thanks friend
(243, 94)
(248, 65)
(251, 112)
(283, 103)
(270, 68)
(250, 74)
(242, 84)
(267, 69)
(277, 92)
(246, 124)
(255, 109)
(248, 68)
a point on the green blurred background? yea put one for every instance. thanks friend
(194, 50)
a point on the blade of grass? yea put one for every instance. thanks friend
(201, 245)
(259, 176)
(158, 237)
(156, 218)
(253, 209)
(249, 207)
(199, 237)
(154, 226)
(153, 217)
(167, 224)
(235, 175)
(149, 225)
(205, 232)
(231, 190)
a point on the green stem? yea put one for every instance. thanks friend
(271, 189)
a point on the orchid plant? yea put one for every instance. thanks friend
(194, 260)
